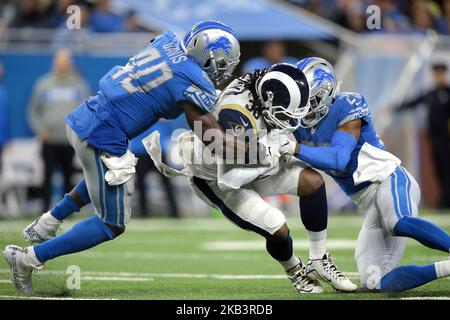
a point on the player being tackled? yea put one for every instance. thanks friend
(259, 106)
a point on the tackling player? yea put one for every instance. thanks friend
(338, 137)
(167, 78)
(255, 104)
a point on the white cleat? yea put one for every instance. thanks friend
(42, 229)
(324, 269)
(301, 282)
(22, 263)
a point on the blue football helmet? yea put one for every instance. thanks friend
(323, 88)
(215, 47)
(284, 93)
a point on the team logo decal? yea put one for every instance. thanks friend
(320, 75)
(221, 43)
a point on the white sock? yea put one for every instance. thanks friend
(442, 268)
(50, 218)
(32, 259)
(289, 264)
(317, 244)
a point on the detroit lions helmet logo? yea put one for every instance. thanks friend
(321, 75)
(221, 43)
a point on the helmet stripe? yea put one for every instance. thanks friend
(206, 25)
(291, 85)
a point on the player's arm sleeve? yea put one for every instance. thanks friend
(333, 157)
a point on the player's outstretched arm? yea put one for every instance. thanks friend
(212, 132)
(408, 105)
(335, 156)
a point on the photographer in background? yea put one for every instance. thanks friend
(54, 96)
(437, 101)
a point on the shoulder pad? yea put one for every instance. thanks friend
(238, 118)
(350, 106)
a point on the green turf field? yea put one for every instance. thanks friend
(201, 259)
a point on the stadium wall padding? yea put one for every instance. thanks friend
(22, 71)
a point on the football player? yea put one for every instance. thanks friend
(338, 136)
(170, 76)
(256, 104)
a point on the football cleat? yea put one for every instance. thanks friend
(42, 229)
(301, 282)
(324, 269)
(22, 263)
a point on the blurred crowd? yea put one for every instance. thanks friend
(96, 15)
(56, 93)
(396, 15)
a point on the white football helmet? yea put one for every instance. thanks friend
(284, 93)
(323, 88)
(215, 48)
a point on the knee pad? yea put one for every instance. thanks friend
(273, 219)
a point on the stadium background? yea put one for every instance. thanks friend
(202, 257)
(386, 65)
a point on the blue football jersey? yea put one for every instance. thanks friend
(134, 97)
(347, 106)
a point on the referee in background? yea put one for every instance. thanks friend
(437, 101)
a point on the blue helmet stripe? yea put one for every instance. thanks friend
(303, 63)
(205, 25)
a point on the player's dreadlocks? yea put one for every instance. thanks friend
(248, 82)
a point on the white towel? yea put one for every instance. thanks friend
(120, 169)
(374, 164)
(153, 147)
(227, 176)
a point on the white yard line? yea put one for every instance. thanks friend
(92, 276)
(137, 255)
(145, 276)
(105, 278)
(333, 244)
(148, 276)
(211, 224)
